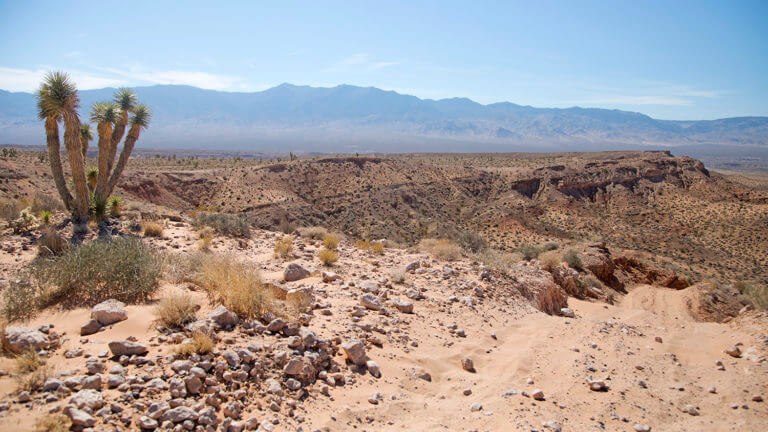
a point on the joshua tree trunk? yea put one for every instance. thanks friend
(117, 136)
(84, 142)
(54, 157)
(130, 141)
(105, 137)
(77, 164)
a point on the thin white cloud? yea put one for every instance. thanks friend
(181, 77)
(360, 61)
(652, 93)
(634, 100)
(27, 80)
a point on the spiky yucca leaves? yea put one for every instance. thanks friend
(59, 95)
(52, 115)
(92, 174)
(115, 206)
(139, 120)
(105, 115)
(86, 136)
(125, 99)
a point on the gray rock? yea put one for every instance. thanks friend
(598, 385)
(20, 339)
(354, 350)
(403, 306)
(467, 364)
(109, 312)
(127, 348)
(90, 327)
(294, 272)
(476, 407)
(641, 428)
(223, 318)
(179, 414)
(567, 312)
(538, 395)
(369, 286)
(413, 265)
(373, 368)
(147, 423)
(276, 325)
(194, 384)
(52, 384)
(553, 426)
(115, 380)
(157, 409)
(370, 301)
(87, 398)
(92, 382)
(80, 417)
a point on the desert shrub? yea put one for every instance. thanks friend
(551, 300)
(122, 268)
(51, 242)
(180, 268)
(225, 224)
(549, 260)
(46, 217)
(176, 311)
(471, 241)
(315, 233)
(24, 222)
(52, 423)
(235, 285)
(9, 209)
(571, 257)
(206, 237)
(199, 343)
(99, 206)
(756, 294)
(42, 202)
(328, 256)
(152, 229)
(397, 276)
(496, 260)
(284, 247)
(443, 249)
(550, 246)
(331, 241)
(286, 227)
(19, 301)
(31, 371)
(364, 245)
(530, 252)
(377, 247)
(115, 206)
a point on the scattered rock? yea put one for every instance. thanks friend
(733, 351)
(294, 272)
(370, 301)
(109, 312)
(19, 339)
(127, 348)
(567, 312)
(90, 327)
(467, 364)
(538, 395)
(223, 318)
(354, 350)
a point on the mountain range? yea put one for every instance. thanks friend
(348, 118)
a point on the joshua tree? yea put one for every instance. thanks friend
(52, 115)
(139, 121)
(86, 136)
(92, 175)
(126, 101)
(105, 115)
(58, 96)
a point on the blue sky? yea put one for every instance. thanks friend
(669, 59)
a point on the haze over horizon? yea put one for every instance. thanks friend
(679, 61)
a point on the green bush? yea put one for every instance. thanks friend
(530, 252)
(756, 294)
(224, 224)
(571, 257)
(122, 268)
(471, 241)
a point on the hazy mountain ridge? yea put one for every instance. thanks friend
(350, 118)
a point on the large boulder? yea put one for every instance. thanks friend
(19, 339)
(109, 312)
(294, 272)
(597, 259)
(536, 285)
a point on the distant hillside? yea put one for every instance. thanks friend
(348, 119)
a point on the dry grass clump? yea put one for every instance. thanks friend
(32, 371)
(549, 260)
(471, 241)
(200, 344)
(377, 248)
(206, 238)
(286, 227)
(180, 268)
(331, 241)
(757, 295)
(328, 256)
(176, 311)
(225, 224)
(496, 260)
(284, 247)
(364, 245)
(551, 300)
(122, 268)
(443, 249)
(41, 202)
(152, 229)
(315, 233)
(19, 301)
(397, 276)
(51, 243)
(235, 285)
(52, 423)
(9, 209)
